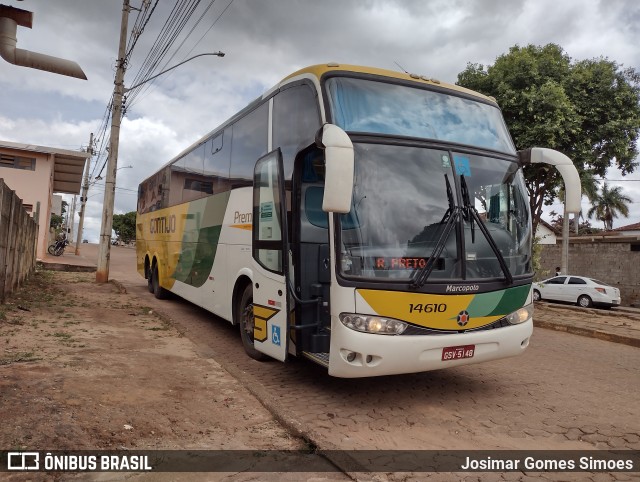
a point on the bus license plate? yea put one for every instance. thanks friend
(458, 352)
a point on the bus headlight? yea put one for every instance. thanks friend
(521, 315)
(373, 324)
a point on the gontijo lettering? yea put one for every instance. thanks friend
(163, 224)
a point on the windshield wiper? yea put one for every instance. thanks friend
(452, 205)
(472, 212)
(467, 206)
(450, 217)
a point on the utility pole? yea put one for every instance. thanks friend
(564, 259)
(104, 251)
(72, 218)
(83, 197)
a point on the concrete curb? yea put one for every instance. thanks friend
(70, 268)
(578, 330)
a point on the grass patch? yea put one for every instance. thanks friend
(158, 328)
(18, 320)
(25, 356)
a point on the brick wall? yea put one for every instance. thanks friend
(613, 260)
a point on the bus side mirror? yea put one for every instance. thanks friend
(339, 165)
(569, 173)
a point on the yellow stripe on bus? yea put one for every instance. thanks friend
(439, 312)
(248, 227)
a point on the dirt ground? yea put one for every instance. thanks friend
(85, 366)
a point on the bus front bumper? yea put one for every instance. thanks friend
(355, 354)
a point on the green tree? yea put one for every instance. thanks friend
(125, 226)
(57, 221)
(584, 227)
(588, 110)
(608, 205)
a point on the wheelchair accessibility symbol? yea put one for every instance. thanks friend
(275, 335)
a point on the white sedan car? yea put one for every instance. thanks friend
(583, 291)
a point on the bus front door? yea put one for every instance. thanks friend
(269, 263)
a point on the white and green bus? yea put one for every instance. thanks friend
(372, 221)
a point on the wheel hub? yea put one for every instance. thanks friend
(248, 322)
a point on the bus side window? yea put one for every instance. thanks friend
(195, 185)
(153, 193)
(313, 207)
(217, 155)
(296, 119)
(314, 221)
(249, 144)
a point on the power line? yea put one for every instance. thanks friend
(175, 23)
(138, 28)
(139, 94)
(100, 188)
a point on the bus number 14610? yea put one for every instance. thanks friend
(427, 308)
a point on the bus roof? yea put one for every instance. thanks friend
(321, 69)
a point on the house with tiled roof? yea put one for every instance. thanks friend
(629, 230)
(547, 234)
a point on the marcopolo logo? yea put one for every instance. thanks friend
(462, 288)
(463, 318)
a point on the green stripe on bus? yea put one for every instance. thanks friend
(200, 239)
(498, 303)
(512, 300)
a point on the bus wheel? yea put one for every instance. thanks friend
(246, 323)
(158, 291)
(149, 279)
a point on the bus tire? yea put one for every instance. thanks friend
(158, 291)
(147, 270)
(245, 322)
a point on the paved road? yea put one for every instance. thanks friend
(565, 392)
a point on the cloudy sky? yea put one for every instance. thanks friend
(264, 41)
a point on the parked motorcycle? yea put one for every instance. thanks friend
(57, 248)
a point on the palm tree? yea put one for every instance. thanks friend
(608, 205)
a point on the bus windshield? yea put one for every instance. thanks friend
(403, 200)
(359, 105)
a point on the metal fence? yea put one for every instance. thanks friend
(18, 239)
